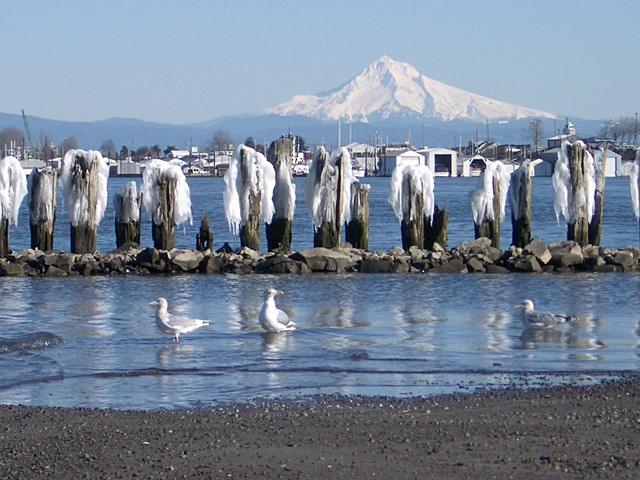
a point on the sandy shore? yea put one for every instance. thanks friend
(561, 432)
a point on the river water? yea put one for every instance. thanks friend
(399, 335)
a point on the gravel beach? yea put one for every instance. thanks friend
(555, 432)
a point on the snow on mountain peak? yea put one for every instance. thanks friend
(388, 88)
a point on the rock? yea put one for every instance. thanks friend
(185, 260)
(455, 265)
(11, 269)
(151, 259)
(377, 265)
(53, 271)
(475, 265)
(281, 264)
(539, 250)
(624, 259)
(491, 268)
(320, 259)
(215, 263)
(527, 264)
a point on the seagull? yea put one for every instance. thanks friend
(272, 318)
(172, 324)
(533, 319)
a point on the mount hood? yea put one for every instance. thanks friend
(388, 89)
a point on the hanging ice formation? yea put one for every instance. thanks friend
(634, 179)
(261, 178)
(481, 199)
(567, 201)
(321, 187)
(422, 183)
(152, 178)
(515, 189)
(13, 188)
(75, 199)
(125, 204)
(41, 189)
(284, 193)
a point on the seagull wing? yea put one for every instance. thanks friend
(185, 324)
(284, 319)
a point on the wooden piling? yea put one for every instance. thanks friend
(436, 231)
(127, 225)
(250, 230)
(163, 231)
(595, 226)
(328, 233)
(490, 228)
(521, 219)
(85, 181)
(204, 238)
(412, 223)
(578, 231)
(42, 208)
(279, 231)
(4, 237)
(357, 230)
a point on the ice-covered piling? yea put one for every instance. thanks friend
(634, 185)
(357, 229)
(127, 205)
(328, 195)
(284, 195)
(520, 203)
(595, 225)
(84, 187)
(13, 188)
(574, 184)
(42, 207)
(412, 198)
(167, 199)
(488, 201)
(248, 195)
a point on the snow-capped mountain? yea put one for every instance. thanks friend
(388, 89)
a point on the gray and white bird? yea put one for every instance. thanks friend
(173, 324)
(272, 319)
(533, 319)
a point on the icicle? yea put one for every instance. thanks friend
(238, 190)
(151, 180)
(13, 188)
(481, 199)
(634, 180)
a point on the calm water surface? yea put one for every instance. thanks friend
(359, 334)
(394, 335)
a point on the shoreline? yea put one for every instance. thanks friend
(562, 431)
(477, 256)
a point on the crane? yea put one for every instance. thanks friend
(28, 132)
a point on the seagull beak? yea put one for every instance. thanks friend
(518, 306)
(279, 292)
(155, 302)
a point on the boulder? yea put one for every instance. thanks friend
(539, 250)
(320, 259)
(185, 260)
(624, 259)
(281, 264)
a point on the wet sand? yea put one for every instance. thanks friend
(559, 432)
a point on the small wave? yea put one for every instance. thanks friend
(30, 341)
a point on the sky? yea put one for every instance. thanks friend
(193, 61)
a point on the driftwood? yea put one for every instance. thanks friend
(357, 230)
(43, 200)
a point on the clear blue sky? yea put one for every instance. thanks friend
(182, 62)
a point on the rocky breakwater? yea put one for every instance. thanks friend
(476, 256)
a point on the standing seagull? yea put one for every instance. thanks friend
(533, 319)
(272, 318)
(172, 324)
